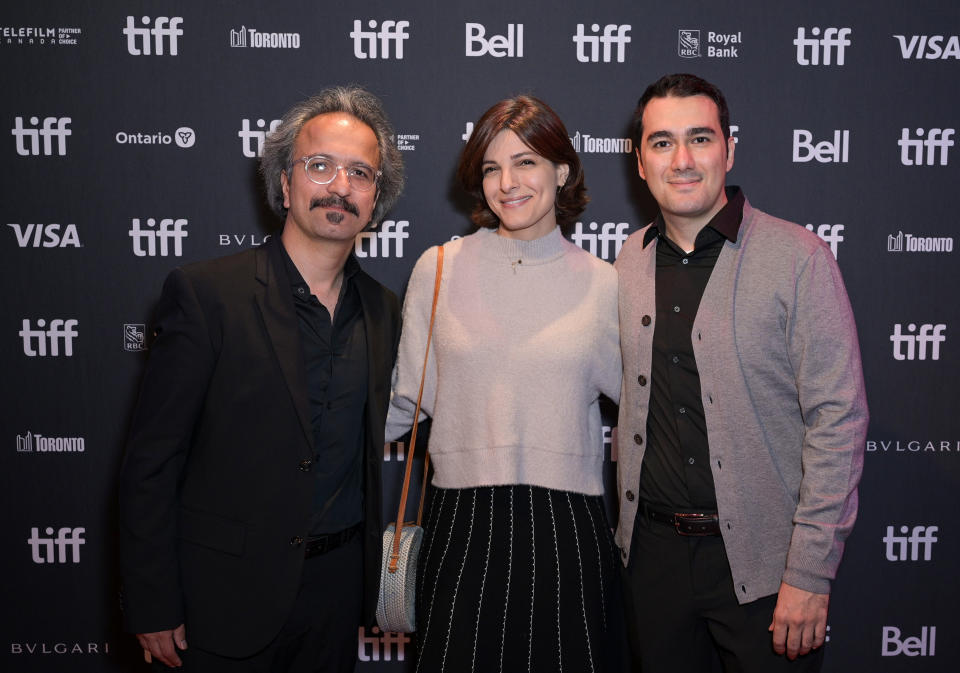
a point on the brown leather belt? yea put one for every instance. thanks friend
(321, 544)
(685, 523)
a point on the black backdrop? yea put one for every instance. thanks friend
(134, 128)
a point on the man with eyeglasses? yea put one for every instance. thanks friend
(250, 491)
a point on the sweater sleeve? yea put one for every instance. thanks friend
(413, 342)
(609, 368)
(824, 351)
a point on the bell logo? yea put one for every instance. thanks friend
(40, 342)
(923, 151)
(920, 537)
(165, 30)
(825, 152)
(829, 234)
(54, 549)
(53, 127)
(610, 232)
(924, 645)
(819, 51)
(170, 229)
(498, 46)
(391, 32)
(589, 46)
(252, 140)
(376, 243)
(36, 235)
(917, 343)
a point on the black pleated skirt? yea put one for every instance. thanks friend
(517, 578)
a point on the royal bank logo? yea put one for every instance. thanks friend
(929, 147)
(912, 544)
(158, 237)
(53, 340)
(831, 234)
(383, 240)
(60, 547)
(602, 240)
(826, 47)
(251, 140)
(924, 645)
(39, 35)
(688, 43)
(134, 337)
(929, 47)
(251, 37)
(33, 442)
(154, 37)
(718, 45)
(596, 46)
(509, 45)
(28, 138)
(588, 144)
(37, 235)
(382, 41)
(381, 645)
(183, 137)
(836, 150)
(918, 342)
(243, 240)
(407, 142)
(901, 242)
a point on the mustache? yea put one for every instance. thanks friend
(335, 202)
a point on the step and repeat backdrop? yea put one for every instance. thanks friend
(129, 140)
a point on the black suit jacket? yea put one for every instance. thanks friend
(214, 496)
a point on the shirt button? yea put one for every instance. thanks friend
(676, 309)
(642, 380)
(691, 461)
(682, 410)
(630, 496)
(297, 540)
(305, 464)
(685, 261)
(675, 359)
(638, 439)
(300, 290)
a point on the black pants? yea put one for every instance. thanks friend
(682, 613)
(320, 635)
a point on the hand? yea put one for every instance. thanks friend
(163, 645)
(799, 621)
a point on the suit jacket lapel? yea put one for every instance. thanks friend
(373, 324)
(280, 319)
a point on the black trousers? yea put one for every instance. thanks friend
(319, 636)
(682, 612)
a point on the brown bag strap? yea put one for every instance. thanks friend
(401, 510)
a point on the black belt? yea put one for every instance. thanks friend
(685, 523)
(321, 544)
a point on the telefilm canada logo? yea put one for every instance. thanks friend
(183, 137)
(718, 45)
(257, 39)
(43, 36)
(901, 242)
(34, 442)
(407, 142)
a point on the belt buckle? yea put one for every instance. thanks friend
(687, 524)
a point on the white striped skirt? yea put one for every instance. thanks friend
(517, 578)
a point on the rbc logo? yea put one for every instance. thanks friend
(42, 548)
(388, 230)
(610, 232)
(247, 135)
(588, 46)
(498, 46)
(829, 234)
(53, 127)
(810, 49)
(920, 536)
(169, 229)
(825, 152)
(917, 343)
(390, 32)
(165, 29)
(36, 341)
(912, 150)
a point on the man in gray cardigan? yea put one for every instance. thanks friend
(743, 413)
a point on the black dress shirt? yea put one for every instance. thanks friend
(335, 358)
(676, 472)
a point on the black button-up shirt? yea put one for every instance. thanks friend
(676, 472)
(335, 358)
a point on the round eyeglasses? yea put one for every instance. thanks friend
(323, 170)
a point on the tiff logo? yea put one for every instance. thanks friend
(252, 140)
(40, 342)
(165, 29)
(498, 46)
(394, 450)
(924, 645)
(829, 234)
(917, 343)
(825, 151)
(610, 232)
(169, 229)
(381, 645)
(609, 435)
(468, 132)
(37, 235)
(912, 149)
(920, 536)
(366, 243)
(810, 49)
(390, 32)
(42, 548)
(53, 127)
(588, 46)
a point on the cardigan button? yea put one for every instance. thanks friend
(642, 380)
(630, 496)
(645, 321)
(296, 540)
(638, 439)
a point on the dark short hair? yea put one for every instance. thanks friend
(354, 101)
(541, 130)
(680, 85)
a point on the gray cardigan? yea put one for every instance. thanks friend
(782, 388)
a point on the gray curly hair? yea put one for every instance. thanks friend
(352, 100)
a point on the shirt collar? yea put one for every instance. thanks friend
(726, 222)
(350, 268)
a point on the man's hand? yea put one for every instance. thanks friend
(799, 621)
(163, 645)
